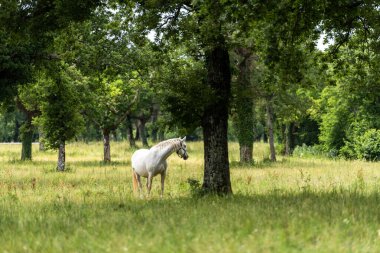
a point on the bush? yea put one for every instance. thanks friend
(305, 151)
(368, 145)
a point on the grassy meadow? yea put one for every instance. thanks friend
(295, 205)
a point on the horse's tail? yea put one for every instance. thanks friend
(134, 180)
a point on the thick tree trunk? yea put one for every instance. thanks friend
(26, 140)
(270, 118)
(106, 146)
(244, 105)
(130, 137)
(246, 153)
(26, 131)
(214, 123)
(61, 157)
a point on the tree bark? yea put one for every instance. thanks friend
(161, 135)
(130, 137)
(246, 153)
(26, 130)
(155, 112)
(26, 140)
(265, 137)
(214, 123)
(270, 117)
(137, 136)
(287, 139)
(61, 157)
(41, 140)
(142, 132)
(244, 105)
(106, 146)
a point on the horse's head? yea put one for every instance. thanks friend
(182, 152)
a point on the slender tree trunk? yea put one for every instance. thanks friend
(270, 117)
(41, 140)
(161, 135)
(130, 137)
(26, 140)
(214, 123)
(115, 137)
(244, 105)
(106, 146)
(154, 122)
(137, 136)
(265, 137)
(290, 129)
(61, 157)
(142, 132)
(287, 139)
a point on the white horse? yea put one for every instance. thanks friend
(151, 162)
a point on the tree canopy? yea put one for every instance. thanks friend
(130, 68)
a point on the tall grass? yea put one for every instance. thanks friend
(294, 205)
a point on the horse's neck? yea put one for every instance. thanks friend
(165, 151)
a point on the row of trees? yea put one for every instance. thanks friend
(68, 66)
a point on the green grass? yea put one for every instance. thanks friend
(294, 205)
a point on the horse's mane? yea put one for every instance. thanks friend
(163, 144)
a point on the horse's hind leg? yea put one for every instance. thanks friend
(163, 175)
(138, 179)
(149, 183)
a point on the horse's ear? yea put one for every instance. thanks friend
(184, 138)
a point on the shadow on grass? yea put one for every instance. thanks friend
(281, 220)
(273, 205)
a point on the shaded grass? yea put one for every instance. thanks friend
(286, 222)
(295, 205)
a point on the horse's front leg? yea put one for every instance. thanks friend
(163, 175)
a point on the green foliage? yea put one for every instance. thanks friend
(369, 145)
(346, 109)
(105, 49)
(183, 91)
(10, 122)
(108, 101)
(363, 142)
(15, 65)
(334, 114)
(26, 35)
(308, 151)
(61, 105)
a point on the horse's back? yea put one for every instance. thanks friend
(138, 162)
